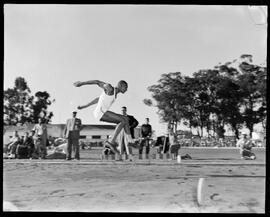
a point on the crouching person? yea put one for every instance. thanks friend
(245, 146)
(175, 145)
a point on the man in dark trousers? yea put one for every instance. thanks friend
(133, 123)
(72, 133)
(146, 133)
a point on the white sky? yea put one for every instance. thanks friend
(52, 46)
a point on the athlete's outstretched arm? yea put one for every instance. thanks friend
(89, 104)
(97, 82)
(109, 90)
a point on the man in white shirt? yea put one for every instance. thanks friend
(40, 138)
(72, 134)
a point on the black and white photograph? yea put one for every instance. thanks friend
(134, 108)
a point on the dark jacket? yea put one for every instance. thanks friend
(28, 142)
(133, 123)
(146, 130)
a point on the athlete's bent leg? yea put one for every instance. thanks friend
(118, 119)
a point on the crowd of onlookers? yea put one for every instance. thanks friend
(33, 144)
(214, 142)
(29, 146)
(25, 146)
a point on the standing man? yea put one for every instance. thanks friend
(40, 138)
(102, 111)
(72, 133)
(133, 123)
(146, 133)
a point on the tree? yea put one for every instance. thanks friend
(253, 86)
(17, 103)
(232, 94)
(168, 94)
(242, 93)
(203, 87)
(40, 106)
(21, 108)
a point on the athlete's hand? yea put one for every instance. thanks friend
(79, 107)
(77, 84)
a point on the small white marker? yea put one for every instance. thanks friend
(179, 158)
(8, 206)
(199, 191)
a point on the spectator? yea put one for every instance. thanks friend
(31, 145)
(174, 144)
(58, 152)
(72, 133)
(22, 147)
(133, 123)
(123, 142)
(146, 133)
(162, 144)
(245, 146)
(12, 146)
(40, 138)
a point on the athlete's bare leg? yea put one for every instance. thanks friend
(120, 120)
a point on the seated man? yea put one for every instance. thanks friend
(22, 148)
(107, 151)
(58, 152)
(245, 145)
(122, 145)
(12, 146)
(162, 144)
(31, 145)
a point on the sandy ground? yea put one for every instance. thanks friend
(231, 186)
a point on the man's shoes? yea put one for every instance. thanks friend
(77, 159)
(68, 158)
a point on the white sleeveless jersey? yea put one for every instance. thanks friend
(104, 103)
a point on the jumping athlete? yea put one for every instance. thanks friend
(104, 103)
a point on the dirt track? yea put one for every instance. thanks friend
(121, 187)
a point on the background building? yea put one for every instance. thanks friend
(91, 133)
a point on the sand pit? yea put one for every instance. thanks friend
(87, 186)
